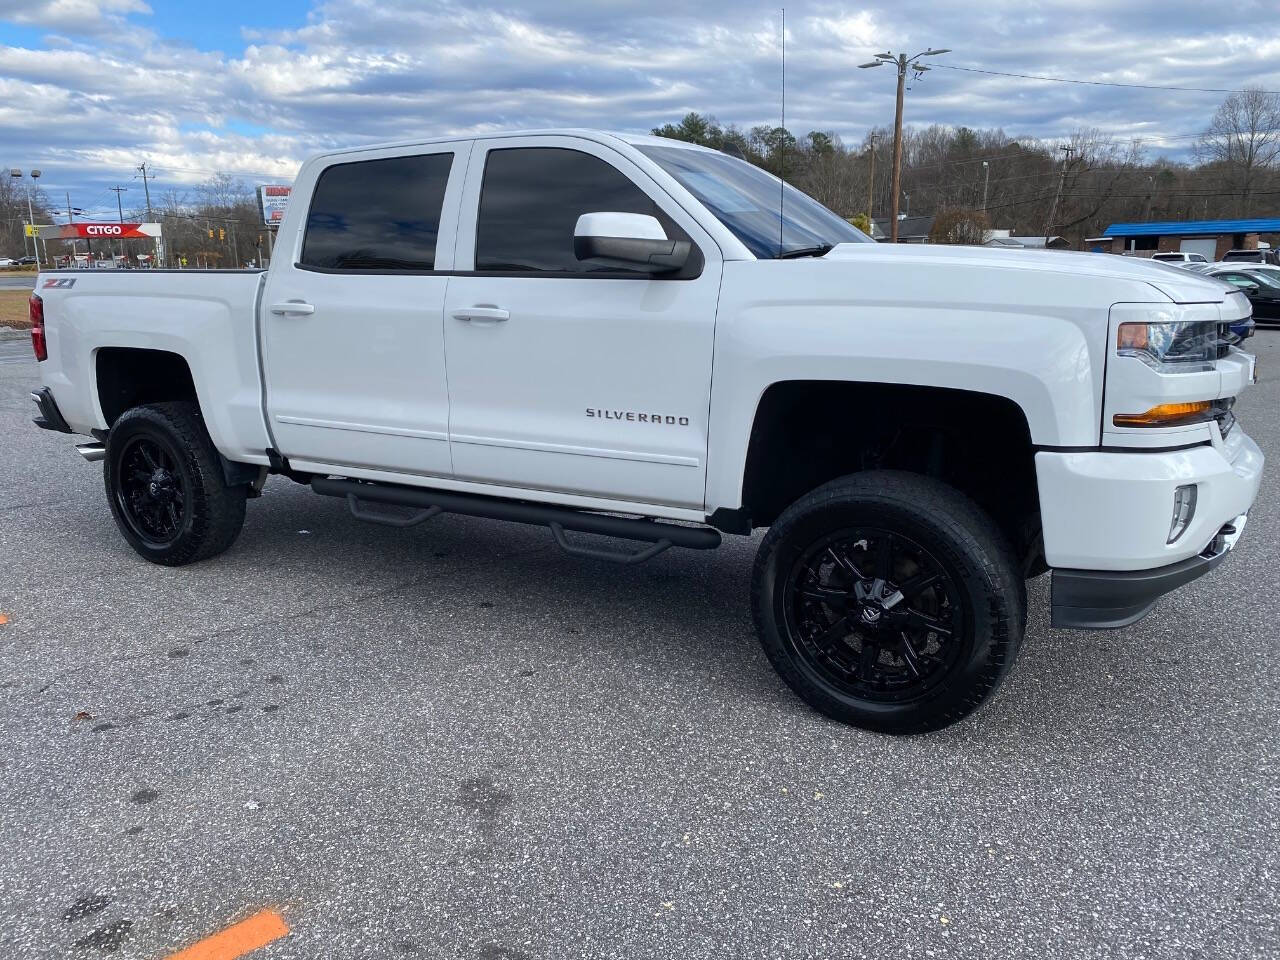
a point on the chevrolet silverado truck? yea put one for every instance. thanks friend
(631, 338)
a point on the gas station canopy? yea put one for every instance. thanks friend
(99, 231)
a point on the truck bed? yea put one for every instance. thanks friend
(208, 318)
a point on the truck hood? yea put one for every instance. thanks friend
(1179, 285)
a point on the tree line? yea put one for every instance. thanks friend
(971, 178)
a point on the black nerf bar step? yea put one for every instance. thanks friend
(429, 502)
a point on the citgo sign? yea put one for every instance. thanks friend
(115, 231)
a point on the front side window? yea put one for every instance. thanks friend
(377, 214)
(530, 202)
(770, 220)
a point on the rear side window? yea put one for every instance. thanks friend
(377, 214)
(530, 202)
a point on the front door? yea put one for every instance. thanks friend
(565, 375)
(352, 340)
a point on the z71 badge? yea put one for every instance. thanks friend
(59, 282)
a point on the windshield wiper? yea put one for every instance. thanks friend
(819, 250)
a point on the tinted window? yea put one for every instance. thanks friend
(530, 202)
(377, 214)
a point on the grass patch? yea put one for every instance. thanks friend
(14, 311)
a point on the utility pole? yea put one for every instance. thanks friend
(986, 182)
(902, 62)
(71, 218)
(147, 190)
(120, 210)
(897, 147)
(1053, 210)
(871, 184)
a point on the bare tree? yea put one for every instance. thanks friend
(959, 226)
(1243, 140)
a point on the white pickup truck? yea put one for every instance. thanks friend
(631, 337)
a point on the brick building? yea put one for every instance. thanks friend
(1212, 238)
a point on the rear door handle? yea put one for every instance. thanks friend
(292, 306)
(484, 313)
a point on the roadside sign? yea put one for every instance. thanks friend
(273, 198)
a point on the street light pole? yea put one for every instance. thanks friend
(16, 174)
(31, 216)
(903, 63)
(986, 182)
(871, 185)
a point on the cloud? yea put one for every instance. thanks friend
(105, 89)
(79, 16)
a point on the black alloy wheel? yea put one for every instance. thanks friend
(876, 614)
(151, 495)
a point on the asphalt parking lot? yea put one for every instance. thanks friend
(455, 741)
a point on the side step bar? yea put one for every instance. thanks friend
(427, 503)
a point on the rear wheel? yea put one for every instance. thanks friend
(888, 601)
(166, 487)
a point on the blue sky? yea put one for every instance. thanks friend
(91, 88)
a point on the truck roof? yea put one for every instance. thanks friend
(602, 136)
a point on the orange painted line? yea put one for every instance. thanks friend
(3, 619)
(238, 939)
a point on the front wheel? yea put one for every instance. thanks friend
(166, 487)
(888, 601)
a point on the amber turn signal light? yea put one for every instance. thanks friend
(1167, 415)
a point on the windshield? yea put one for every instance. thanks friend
(745, 199)
(1263, 280)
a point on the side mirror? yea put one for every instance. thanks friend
(1251, 289)
(632, 241)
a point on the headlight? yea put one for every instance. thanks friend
(1177, 347)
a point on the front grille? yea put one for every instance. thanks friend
(1226, 340)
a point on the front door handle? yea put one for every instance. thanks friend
(486, 313)
(294, 307)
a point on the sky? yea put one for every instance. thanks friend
(90, 90)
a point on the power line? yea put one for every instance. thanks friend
(1089, 83)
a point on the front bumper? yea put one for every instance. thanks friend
(1104, 599)
(1111, 510)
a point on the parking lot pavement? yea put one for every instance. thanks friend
(457, 742)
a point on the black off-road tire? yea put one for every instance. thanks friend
(210, 513)
(950, 531)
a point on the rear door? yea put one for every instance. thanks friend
(565, 375)
(352, 314)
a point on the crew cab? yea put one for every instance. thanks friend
(633, 338)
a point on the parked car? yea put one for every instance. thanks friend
(1266, 269)
(1260, 255)
(27, 261)
(1179, 257)
(1262, 289)
(7, 262)
(532, 339)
